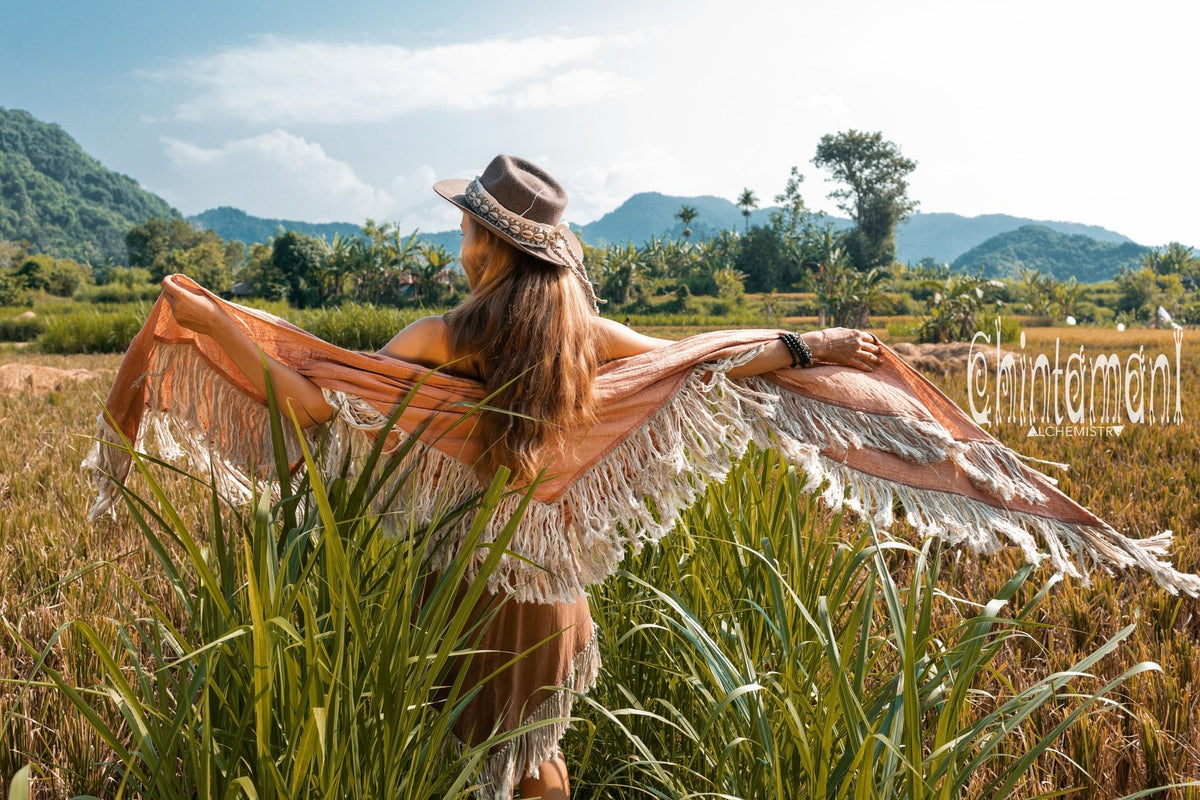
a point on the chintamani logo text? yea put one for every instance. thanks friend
(1077, 394)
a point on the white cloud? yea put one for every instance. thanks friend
(275, 174)
(281, 81)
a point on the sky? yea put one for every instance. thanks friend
(1072, 110)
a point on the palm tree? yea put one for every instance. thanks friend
(426, 272)
(686, 215)
(747, 202)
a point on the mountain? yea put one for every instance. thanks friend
(649, 214)
(945, 237)
(236, 225)
(60, 199)
(1063, 255)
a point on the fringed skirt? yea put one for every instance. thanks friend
(560, 659)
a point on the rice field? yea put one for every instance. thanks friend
(731, 652)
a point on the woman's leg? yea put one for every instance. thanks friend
(551, 783)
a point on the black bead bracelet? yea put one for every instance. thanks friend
(801, 353)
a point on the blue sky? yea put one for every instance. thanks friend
(1058, 109)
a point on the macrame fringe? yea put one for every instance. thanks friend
(521, 757)
(210, 424)
(636, 492)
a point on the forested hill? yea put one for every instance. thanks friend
(60, 199)
(235, 224)
(1062, 255)
(944, 237)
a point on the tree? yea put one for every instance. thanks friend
(300, 258)
(875, 192)
(163, 246)
(59, 277)
(844, 295)
(618, 273)
(747, 202)
(686, 215)
(767, 260)
(427, 272)
(792, 219)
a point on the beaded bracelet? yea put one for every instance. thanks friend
(801, 353)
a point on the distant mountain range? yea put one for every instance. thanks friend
(942, 237)
(64, 202)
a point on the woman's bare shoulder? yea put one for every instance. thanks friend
(620, 341)
(424, 341)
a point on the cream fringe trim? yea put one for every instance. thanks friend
(522, 757)
(636, 492)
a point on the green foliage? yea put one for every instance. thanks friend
(163, 247)
(1059, 255)
(1048, 297)
(61, 200)
(685, 215)
(1141, 291)
(767, 651)
(956, 307)
(91, 330)
(59, 277)
(355, 326)
(302, 261)
(19, 328)
(747, 201)
(875, 192)
(12, 290)
(768, 260)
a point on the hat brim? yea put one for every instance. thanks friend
(455, 191)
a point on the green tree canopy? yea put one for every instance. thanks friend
(301, 259)
(874, 175)
(164, 246)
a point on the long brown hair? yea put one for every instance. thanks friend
(526, 331)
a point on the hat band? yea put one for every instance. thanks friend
(533, 234)
(529, 233)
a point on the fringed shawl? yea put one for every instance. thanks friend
(670, 421)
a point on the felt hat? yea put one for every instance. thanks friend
(522, 203)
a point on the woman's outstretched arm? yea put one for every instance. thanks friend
(833, 345)
(294, 391)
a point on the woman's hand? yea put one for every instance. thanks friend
(846, 346)
(195, 312)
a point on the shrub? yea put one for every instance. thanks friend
(21, 329)
(91, 330)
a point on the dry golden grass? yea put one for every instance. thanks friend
(48, 576)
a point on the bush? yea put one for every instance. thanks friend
(111, 293)
(21, 329)
(92, 331)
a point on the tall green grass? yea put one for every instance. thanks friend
(309, 656)
(772, 652)
(91, 330)
(355, 326)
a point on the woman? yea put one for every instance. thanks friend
(529, 332)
